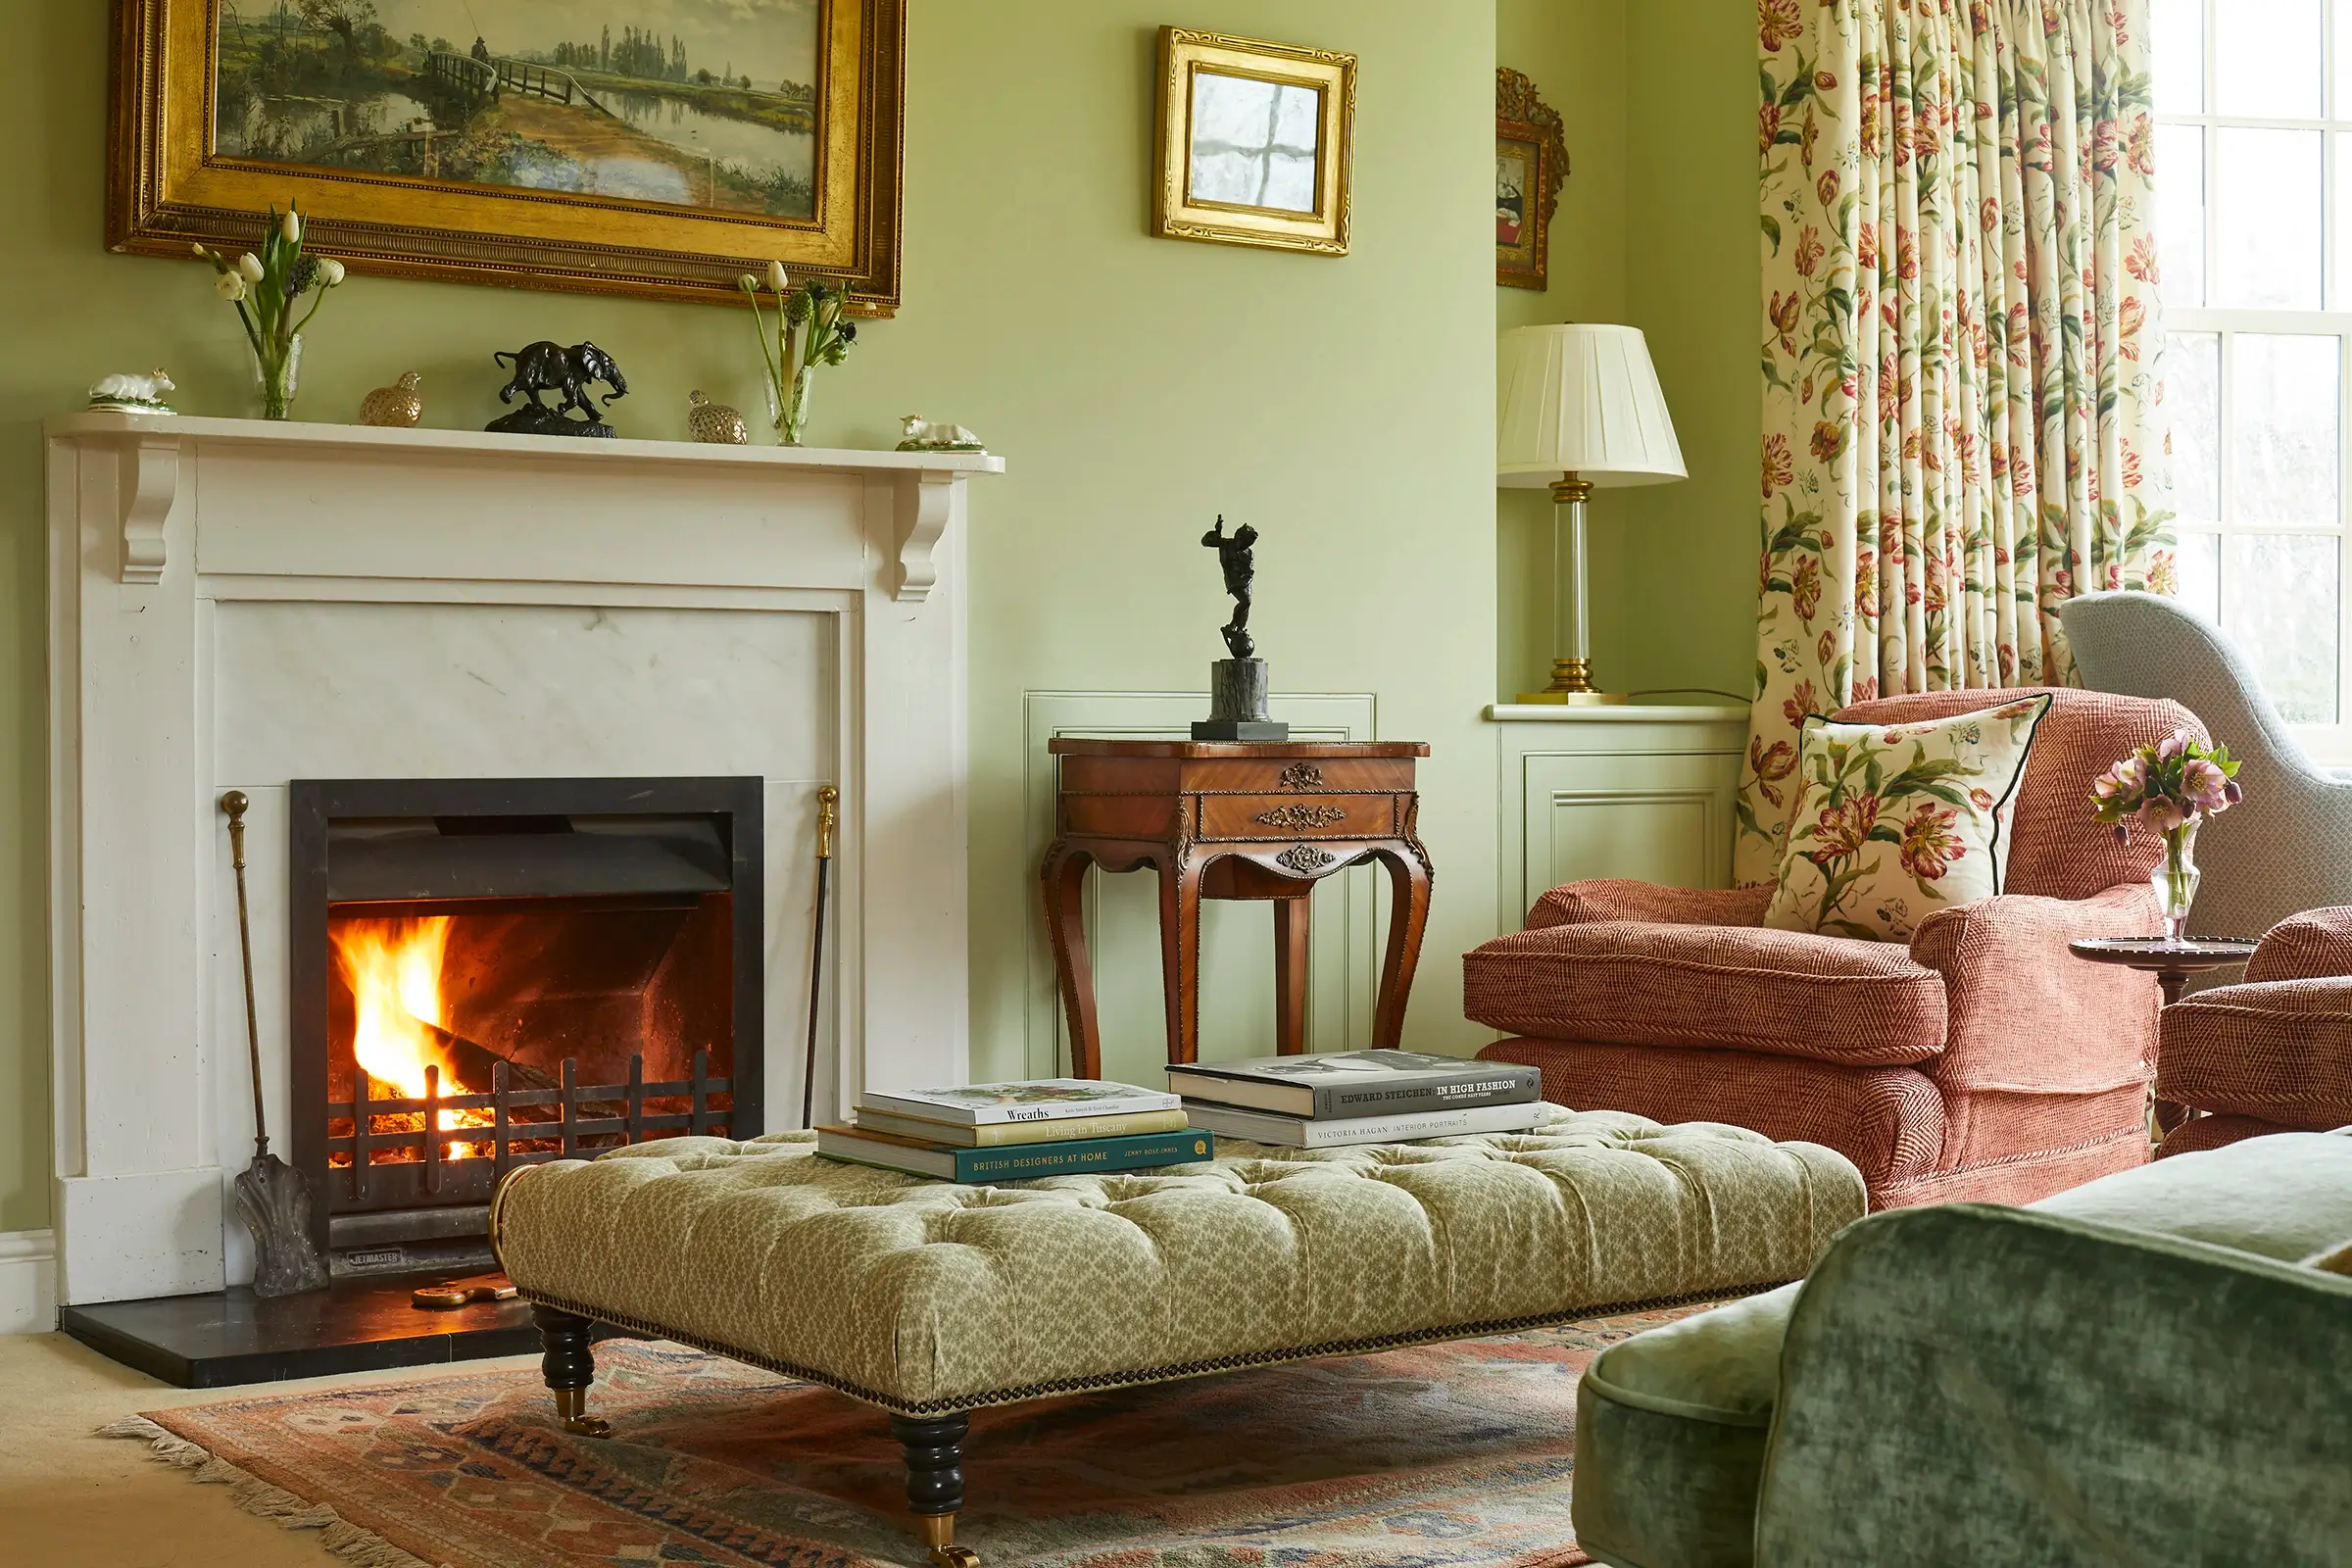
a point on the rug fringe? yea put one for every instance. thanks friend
(361, 1549)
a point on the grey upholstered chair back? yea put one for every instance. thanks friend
(2290, 847)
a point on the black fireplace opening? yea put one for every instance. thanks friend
(488, 973)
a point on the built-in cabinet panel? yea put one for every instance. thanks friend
(1643, 793)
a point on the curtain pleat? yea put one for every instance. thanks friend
(1960, 355)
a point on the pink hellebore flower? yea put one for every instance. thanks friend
(2205, 785)
(2162, 815)
(2171, 747)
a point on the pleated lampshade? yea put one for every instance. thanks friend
(1580, 398)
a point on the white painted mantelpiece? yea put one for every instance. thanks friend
(235, 604)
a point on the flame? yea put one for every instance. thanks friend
(394, 971)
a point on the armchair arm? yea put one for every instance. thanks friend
(1970, 1384)
(1585, 902)
(2315, 945)
(2027, 1015)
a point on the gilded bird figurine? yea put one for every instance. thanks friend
(716, 422)
(396, 406)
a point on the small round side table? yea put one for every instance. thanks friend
(2171, 963)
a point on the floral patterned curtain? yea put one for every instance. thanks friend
(1960, 353)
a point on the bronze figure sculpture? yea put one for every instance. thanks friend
(1237, 686)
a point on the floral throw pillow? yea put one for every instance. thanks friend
(1895, 821)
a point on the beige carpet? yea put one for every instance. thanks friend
(68, 1497)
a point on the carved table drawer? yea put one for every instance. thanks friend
(1325, 775)
(1293, 817)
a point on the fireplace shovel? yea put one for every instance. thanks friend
(272, 1198)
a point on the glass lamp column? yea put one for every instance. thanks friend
(1572, 609)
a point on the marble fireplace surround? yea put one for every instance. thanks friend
(234, 604)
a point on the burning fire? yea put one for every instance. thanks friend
(394, 971)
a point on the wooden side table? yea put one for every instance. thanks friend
(2173, 963)
(1232, 820)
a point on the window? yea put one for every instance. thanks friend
(2254, 171)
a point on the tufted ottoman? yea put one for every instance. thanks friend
(930, 1299)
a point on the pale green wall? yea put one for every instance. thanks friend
(1694, 288)
(1575, 52)
(1136, 386)
(1657, 229)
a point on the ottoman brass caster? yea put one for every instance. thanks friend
(571, 1408)
(939, 1536)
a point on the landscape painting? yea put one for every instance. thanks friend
(706, 105)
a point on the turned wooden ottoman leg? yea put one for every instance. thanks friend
(569, 1366)
(934, 1450)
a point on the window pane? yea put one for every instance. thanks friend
(2343, 59)
(2283, 428)
(2266, 190)
(2192, 405)
(2198, 561)
(2179, 48)
(2278, 604)
(2267, 59)
(2181, 212)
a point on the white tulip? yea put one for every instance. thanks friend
(198, 247)
(775, 277)
(330, 269)
(230, 286)
(249, 266)
(746, 282)
(290, 225)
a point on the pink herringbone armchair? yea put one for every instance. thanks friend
(2272, 1054)
(1983, 1061)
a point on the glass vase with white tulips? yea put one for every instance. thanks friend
(267, 290)
(809, 331)
(2170, 787)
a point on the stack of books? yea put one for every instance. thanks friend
(1359, 1096)
(1016, 1131)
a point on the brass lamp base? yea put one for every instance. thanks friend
(1572, 686)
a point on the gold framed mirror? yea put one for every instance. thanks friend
(1254, 142)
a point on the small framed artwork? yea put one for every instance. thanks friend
(1531, 164)
(653, 147)
(1253, 142)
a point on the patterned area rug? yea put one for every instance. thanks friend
(1454, 1455)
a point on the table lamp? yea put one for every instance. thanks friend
(1576, 408)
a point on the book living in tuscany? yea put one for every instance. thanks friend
(1029, 1099)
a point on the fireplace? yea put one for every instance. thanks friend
(488, 973)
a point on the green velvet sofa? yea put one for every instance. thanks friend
(2141, 1370)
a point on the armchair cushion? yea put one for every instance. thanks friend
(1895, 821)
(1641, 983)
(2311, 946)
(1583, 903)
(2281, 1051)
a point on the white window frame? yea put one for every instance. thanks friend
(2328, 744)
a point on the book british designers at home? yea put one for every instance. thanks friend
(1016, 1162)
(1355, 1083)
(1032, 1100)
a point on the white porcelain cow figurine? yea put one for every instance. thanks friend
(133, 394)
(936, 436)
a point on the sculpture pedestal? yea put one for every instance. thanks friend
(1237, 703)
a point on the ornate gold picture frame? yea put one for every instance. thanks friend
(1254, 142)
(1531, 164)
(646, 147)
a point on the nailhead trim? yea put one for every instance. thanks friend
(1163, 1374)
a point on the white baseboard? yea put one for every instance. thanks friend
(28, 1282)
